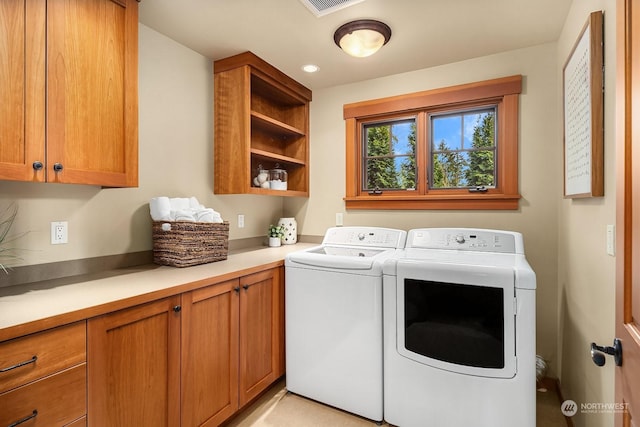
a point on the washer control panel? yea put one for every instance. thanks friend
(365, 236)
(466, 239)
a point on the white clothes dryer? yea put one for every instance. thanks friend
(333, 318)
(459, 331)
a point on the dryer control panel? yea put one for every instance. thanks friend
(467, 239)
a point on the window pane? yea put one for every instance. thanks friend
(447, 132)
(479, 130)
(449, 170)
(381, 173)
(403, 138)
(481, 169)
(389, 156)
(463, 149)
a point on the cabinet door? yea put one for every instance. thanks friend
(22, 96)
(133, 361)
(92, 107)
(210, 354)
(260, 332)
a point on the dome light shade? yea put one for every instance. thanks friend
(363, 37)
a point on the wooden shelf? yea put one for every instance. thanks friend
(284, 193)
(261, 117)
(277, 157)
(273, 126)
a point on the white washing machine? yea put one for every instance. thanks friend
(459, 331)
(333, 318)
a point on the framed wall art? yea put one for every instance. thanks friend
(583, 113)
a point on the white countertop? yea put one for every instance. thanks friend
(69, 299)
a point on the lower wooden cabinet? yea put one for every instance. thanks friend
(191, 360)
(133, 364)
(42, 382)
(210, 326)
(261, 332)
(56, 400)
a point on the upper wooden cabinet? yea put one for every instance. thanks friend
(261, 117)
(74, 63)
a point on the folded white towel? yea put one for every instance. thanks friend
(195, 204)
(183, 215)
(160, 208)
(207, 215)
(181, 209)
(179, 203)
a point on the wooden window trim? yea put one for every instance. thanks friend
(503, 92)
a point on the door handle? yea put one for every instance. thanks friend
(598, 352)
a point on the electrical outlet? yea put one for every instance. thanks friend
(59, 233)
(339, 219)
(240, 221)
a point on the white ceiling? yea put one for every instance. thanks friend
(426, 33)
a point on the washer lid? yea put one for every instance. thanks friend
(346, 251)
(340, 258)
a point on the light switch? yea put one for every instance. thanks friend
(611, 239)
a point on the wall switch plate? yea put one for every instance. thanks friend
(611, 239)
(59, 232)
(339, 219)
(240, 221)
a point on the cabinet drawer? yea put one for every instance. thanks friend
(28, 358)
(56, 400)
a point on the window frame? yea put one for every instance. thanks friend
(502, 92)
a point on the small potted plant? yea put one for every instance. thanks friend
(276, 233)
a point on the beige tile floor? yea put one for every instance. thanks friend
(277, 408)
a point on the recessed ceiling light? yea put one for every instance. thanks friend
(310, 68)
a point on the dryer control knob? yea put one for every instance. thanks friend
(460, 239)
(361, 236)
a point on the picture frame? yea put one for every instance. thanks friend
(583, 113)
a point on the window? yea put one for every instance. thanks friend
(451, 148)
(389, 155)
(463, 149)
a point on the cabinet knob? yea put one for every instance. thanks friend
(177, 308)
(236, 289)
(57, 167)
(245, 287)
(37, 166)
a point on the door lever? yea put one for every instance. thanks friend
(598, 352)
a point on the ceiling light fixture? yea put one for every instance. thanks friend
(363, 37)
(310, 68)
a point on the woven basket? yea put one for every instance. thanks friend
(190, 243)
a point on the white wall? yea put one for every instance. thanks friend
(176, 159)
(586, 274)
(539, 166)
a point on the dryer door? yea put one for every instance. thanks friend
(460, 318)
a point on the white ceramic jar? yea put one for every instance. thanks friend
(290, 227)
